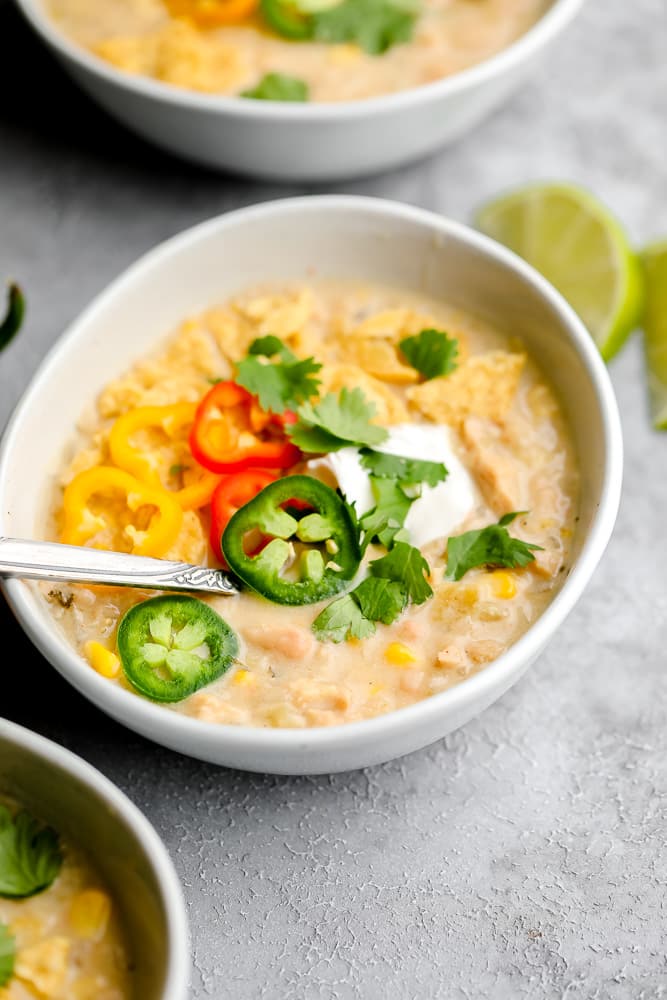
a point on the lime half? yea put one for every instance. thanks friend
(654, 323)
(578, 245)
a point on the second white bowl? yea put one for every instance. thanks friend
(305, 142)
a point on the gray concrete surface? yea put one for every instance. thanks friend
(524, 856)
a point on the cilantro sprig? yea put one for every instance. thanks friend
(373, 25)
(406, 470)
(281, 384)
(431, 352)
(492, 546)
(386, 520)
(30, 856)
(278, 87)
(396, 483)
(394, 581)
(7, 954)
(336, 422)
(13, 320)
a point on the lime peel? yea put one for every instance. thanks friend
(578, 245)
(654, 264)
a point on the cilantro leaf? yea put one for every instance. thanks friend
(30, 856)
(269, 346)
(407, 470)
(7, 954)
(281, 385)
(386, 519)
(431, 352)
(342, 619)
(335, 422)
(380, 600)
(406, 565)
(490, 546)
(13, 320)
(278, 87)
(374, 25)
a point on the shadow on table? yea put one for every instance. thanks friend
(42, 108)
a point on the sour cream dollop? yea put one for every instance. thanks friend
(439, 509)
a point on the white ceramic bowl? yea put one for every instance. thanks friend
(84, 806)
(335, 237)
(306, 142)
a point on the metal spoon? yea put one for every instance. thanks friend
(76, 564)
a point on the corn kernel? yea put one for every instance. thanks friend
(244, 678)
(504, 585)
(102, 659)
(89, 913)
(342, 55)
(399, 654)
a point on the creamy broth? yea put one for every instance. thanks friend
(140, 36)
(69, 942)
(505, 426)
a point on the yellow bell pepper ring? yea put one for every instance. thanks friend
(175, 422)
(149, 534)
(212, 13)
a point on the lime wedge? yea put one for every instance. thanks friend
(654, 259)
(578, 245)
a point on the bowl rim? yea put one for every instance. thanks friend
(145, 716)
(177, 971)
(548, 25)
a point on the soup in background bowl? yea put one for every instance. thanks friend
(90, 904)
(352, 50)
(289, 683)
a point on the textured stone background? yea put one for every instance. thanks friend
(525, 855)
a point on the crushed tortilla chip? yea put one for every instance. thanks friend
(392, 324)
(381, 360)
(484, 385)
(281, 315)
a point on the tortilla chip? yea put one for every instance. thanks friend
(484, 385)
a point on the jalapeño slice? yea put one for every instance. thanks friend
(293, 559)
(172, 646)
(287, 19)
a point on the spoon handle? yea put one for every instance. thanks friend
(77, 564)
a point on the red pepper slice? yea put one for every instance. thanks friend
(230, 433)
(231, 494)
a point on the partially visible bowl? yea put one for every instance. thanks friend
(332, 237)
(305, 142)
(84, 807)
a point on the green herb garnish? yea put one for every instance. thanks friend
(279, 385)
(30, 856)
(7, 954)
(431, 352)
(13, 320)
(278, 87)
(335, 422)
(394, 581)
(342, 619)
(406, 565)
(406, 470)
(492, 546)
(373, 25)
(386, 519)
